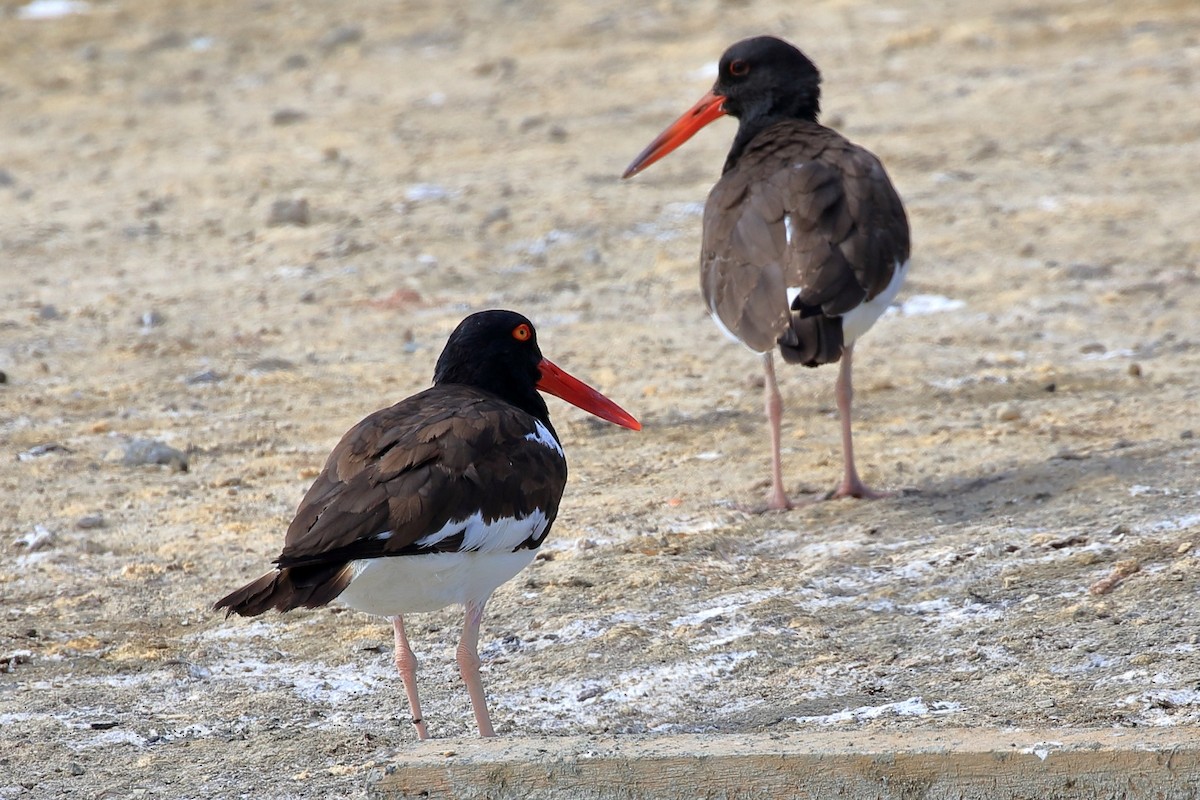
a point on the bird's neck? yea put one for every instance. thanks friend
(803, 106)
(533, 404)
(536, 407)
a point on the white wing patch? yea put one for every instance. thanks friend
(503, 535)
(544, 437)
(789, 227)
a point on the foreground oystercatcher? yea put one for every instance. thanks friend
(437, 500)
(805, 239)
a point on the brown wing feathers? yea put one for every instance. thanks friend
(407, 470)
(801, 182)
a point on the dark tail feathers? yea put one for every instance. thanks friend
(812, 339)
(285, 589)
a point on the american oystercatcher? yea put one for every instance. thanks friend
(438, 499)
(805, 239)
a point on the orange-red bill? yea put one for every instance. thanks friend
(561, 384)
(709, 108)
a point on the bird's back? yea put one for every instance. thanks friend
(804, 227)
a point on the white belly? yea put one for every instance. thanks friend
(407, 584)
(859, 320)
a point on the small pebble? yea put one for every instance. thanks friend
(149, 229)
(151, 319)
(139, 452)
(90, 521)
(104, 724)
(1188, 434)
(497, 214)
(339, 37)
(1135, 370)
(529, 123)
(4, 379)
(11, 660)
(171, 40)
(76, 768)
(425, 192)
(39, 450)
(1008, 413)
(156, 206)
(288, 116)
(207, 376)
(49, 312)
(295, 61)
(271, 365)
(1121, 571)
(6, 178)
(1086, 272)
(287, 211)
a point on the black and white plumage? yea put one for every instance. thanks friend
(437, 500)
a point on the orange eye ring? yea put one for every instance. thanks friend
(739, 68)
(522, 333)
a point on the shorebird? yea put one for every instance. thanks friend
(805, 240)
(437, 500)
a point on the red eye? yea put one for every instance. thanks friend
(739, 68)
(522, 333)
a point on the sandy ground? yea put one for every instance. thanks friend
(1033, 398)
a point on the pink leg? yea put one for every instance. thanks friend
(468, 666)
(778, 499)
(851, 485)
(406, 662)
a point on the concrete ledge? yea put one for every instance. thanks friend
(1122, 764)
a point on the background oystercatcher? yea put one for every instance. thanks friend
(438, 499)
(805, 239)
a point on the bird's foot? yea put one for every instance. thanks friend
(776, 503)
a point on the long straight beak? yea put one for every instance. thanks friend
(561, 384)
(709, 108)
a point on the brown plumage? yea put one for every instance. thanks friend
(805, 239)
(410, 469)
(848, 235)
